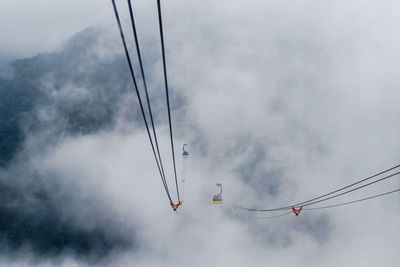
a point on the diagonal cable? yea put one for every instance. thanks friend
(314, 200)
(145, 86)
(348, 186)
(354, 201)
(138, 95)
(349, 191)
(167, 94)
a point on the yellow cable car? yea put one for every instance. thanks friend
(217, 199)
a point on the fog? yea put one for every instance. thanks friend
(279, 101)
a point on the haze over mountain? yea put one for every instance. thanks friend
(49, 97)
(278, 101)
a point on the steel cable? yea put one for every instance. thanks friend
(354, 201)
(138, 95)
(167, 94)
(145, 86)
(349, 191)
(313, 200)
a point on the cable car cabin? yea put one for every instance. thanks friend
(217, 199)
(185, 154)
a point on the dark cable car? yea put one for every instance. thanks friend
(185, 154)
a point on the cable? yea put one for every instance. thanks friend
(269, 217)
(354, 201)
(138, 95)
(304, 203)
(325, 199)
(345, 187)
(167, 95)
(145, 85)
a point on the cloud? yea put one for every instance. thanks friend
(32, 27)
(45, 216)
(281, 101)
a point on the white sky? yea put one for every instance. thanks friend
(28, 27)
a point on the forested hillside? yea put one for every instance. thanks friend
(76, 84)
(74, 91)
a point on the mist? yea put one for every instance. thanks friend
(278, 101)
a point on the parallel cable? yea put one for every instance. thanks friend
(354, 189)
(314, 200)
(167, 94)
(354, 201)
(145, 85)
(139, 98)
(348, 186)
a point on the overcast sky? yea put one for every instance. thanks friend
(283, 101)
(29, 27)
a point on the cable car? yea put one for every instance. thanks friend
(185, 154)
(217, 199)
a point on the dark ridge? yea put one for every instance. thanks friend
(43, 220)
(104, 81)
